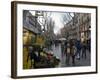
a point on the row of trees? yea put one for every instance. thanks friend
(47, 24)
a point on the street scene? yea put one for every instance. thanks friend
(56, 39)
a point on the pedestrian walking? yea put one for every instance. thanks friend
(34, 57)
(67, 52)
(70, 52)
(78, 46)
(84, 46)
(89, 45)
(73, 51)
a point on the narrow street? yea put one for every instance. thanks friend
(48, 36)
(81, 62)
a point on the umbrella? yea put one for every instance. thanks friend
(62, 39)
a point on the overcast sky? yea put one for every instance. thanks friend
(59, 19)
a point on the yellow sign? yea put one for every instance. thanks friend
(40, 40)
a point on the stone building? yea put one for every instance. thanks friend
(79, 27)
(84, 26)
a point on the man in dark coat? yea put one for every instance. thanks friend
(78, 46)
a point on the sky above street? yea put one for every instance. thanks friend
(59, 18)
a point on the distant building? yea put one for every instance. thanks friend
(70, 30)
(79, 27)
(84, 26)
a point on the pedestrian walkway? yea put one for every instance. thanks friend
(81, 62)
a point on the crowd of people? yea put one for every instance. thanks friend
(75, 49)
(40, 58)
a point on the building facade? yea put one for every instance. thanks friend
(30, 22)
(79, 27)
(31, 29)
